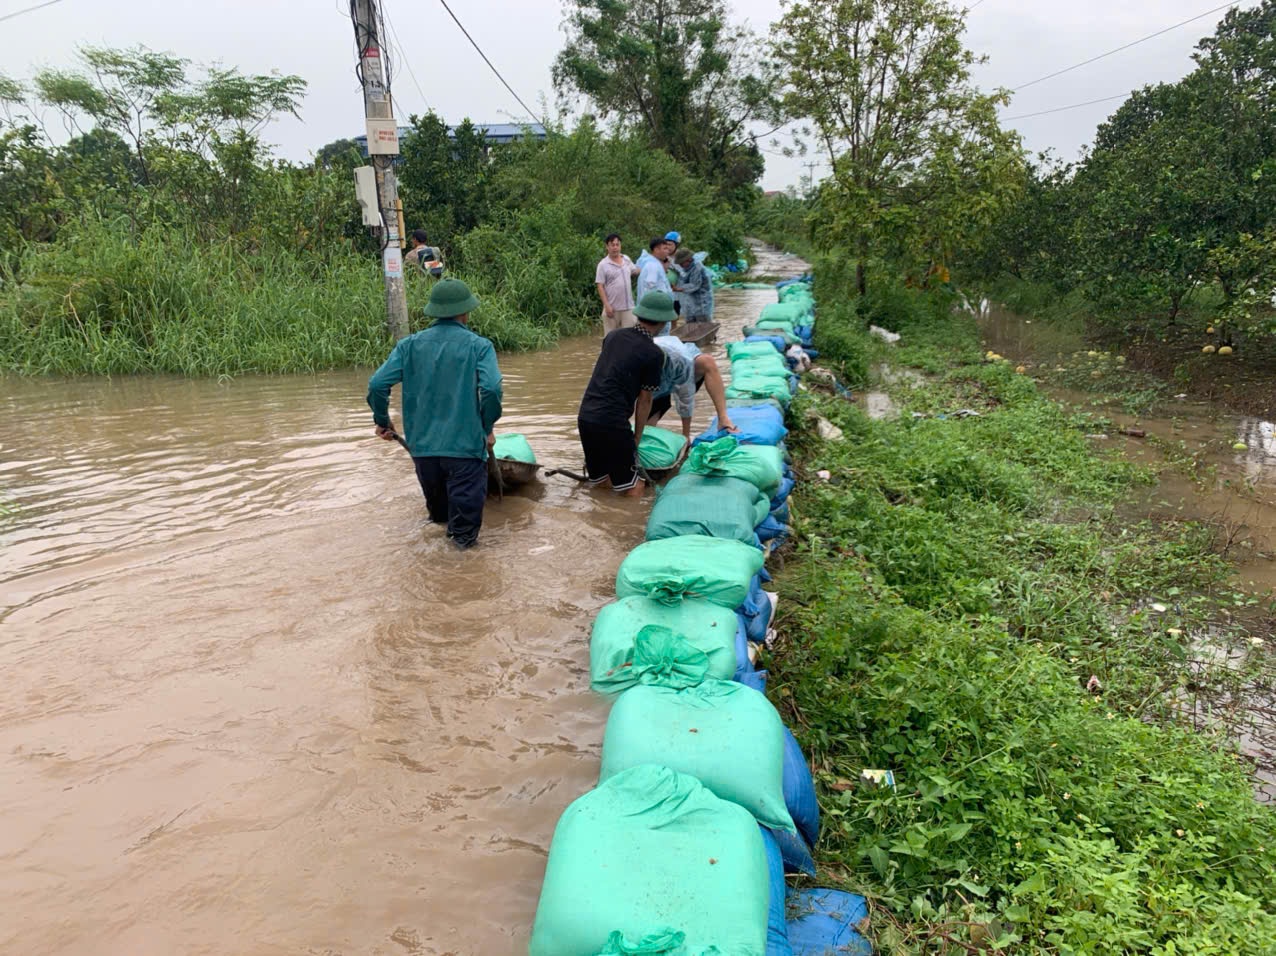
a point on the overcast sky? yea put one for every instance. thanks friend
(1023, 39)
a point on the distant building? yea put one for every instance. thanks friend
(496, 134)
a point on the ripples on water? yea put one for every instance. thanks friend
(254, 703)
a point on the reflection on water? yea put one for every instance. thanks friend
(254, 703)
(1242, 489)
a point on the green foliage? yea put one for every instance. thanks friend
(166, 238)
(966, 607)
(552, 203)
(678, 73)
(785, 222)
(445, 179)
(1174, 202)
(921, 165)
(103, 302)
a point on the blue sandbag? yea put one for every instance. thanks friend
(772, 529)
(756, 680)
(756, 611)
(799, 790)
(811, 352)
(780, 497)
(826, 921)
(760, 424)
(777, 929)
(794, 852)
(782, 514)
(742, 663)
(776, 340)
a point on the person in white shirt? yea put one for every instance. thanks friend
(614, 279)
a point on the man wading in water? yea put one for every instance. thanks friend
(625, 378)
(451, 401)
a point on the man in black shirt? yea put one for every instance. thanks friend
(625, 377)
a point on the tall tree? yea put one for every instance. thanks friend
(913, 144)
(679, 70)
(147, 99)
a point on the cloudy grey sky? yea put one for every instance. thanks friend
(1024, 39)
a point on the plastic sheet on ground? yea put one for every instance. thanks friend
(825, 923)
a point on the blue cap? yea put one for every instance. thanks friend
(673, 236)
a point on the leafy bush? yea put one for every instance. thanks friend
(965, 607)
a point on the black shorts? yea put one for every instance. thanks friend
(610, 452)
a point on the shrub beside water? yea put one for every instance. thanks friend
(99, 302)
(965, 608)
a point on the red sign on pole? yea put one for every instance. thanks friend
(371, 53)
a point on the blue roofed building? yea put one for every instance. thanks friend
(496, 134)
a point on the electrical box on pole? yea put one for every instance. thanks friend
(383, 146)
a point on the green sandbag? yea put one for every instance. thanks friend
(757, 386)
(762, 365)
(760, 465)
(772, 326)
(790, 312)
(726, 735)
(692, 566)
(790, 338)
(703, 625)
(515, 448)
(718, 507)
(660, 447)
(749, 402)
(742, 350)
(652, 855)
(800, 297)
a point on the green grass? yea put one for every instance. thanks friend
(955, 586)
(102, 303)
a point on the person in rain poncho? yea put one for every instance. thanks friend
(695, 286)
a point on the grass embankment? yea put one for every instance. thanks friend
(964, 607)
(105, 302)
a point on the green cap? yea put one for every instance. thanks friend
(656, 307)
(450, 298)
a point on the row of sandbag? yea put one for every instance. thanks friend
(704, 798)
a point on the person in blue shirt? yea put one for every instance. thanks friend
(685, 371)
(652, 275)
(451, 401)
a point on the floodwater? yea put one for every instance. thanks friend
(1233, 489)
(1230, 488)
(254, 703)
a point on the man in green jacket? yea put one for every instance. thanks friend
(451, 400)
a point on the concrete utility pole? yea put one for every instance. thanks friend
(383, 146)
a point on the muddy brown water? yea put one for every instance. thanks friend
(1234, 489)
(254, 703)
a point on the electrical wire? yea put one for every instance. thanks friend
(38, 6)
(1105, 99)
(530, 112)
(1095, 59)
(1061, 109)
(407, 61)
